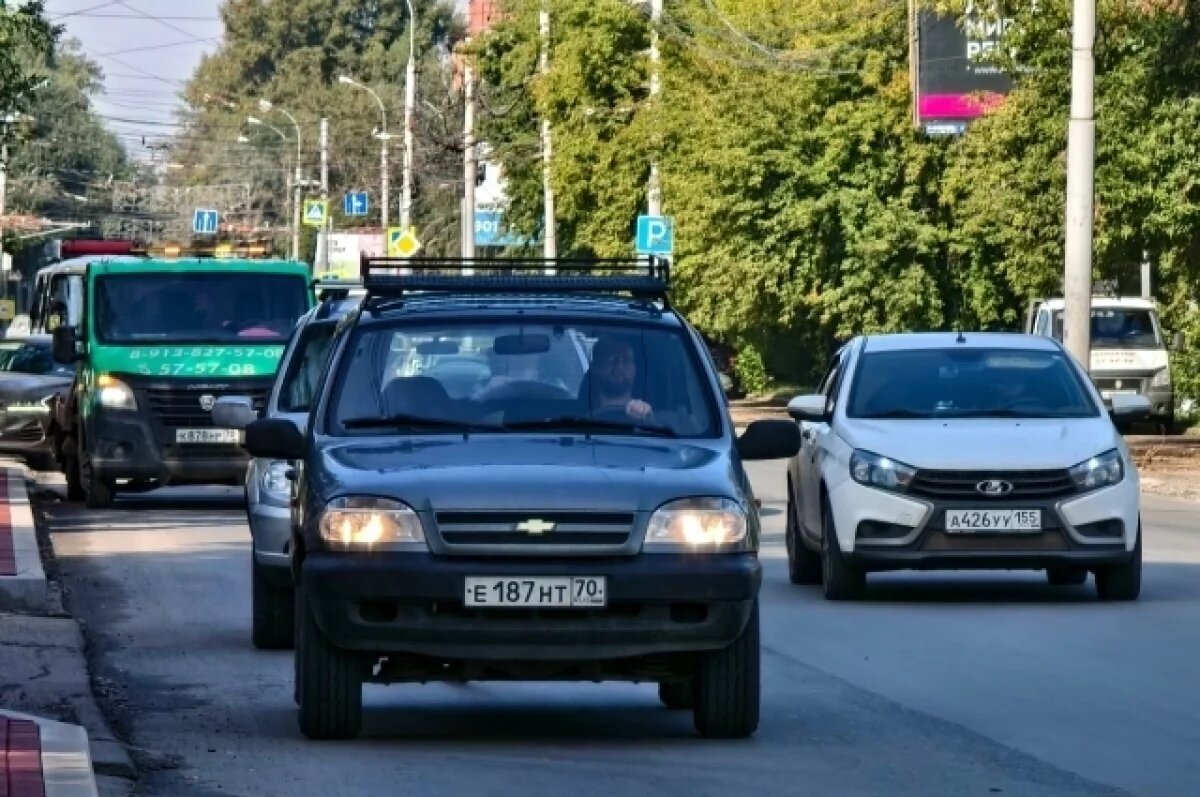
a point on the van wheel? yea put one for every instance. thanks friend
(804, 566)
(677, 694)
(99, 493)
(728, 687)
(330, 683)
(843, 581)
(70, 463)
(273, 622)
(1122, 582)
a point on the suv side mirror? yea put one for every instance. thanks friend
(1128, 408)
(809, 408)
(65, 344)
(234, 412)
(769, 440)
(275, 438)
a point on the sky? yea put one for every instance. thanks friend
(147, 49)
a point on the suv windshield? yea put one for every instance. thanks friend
(204, 307)
(523, 377)
(969, 383)
(1118, 328)
(31, 358)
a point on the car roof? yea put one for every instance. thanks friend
(916, 341)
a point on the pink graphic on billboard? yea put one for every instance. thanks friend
(958, 82)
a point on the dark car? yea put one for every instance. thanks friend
(582, 515)
(30, 382)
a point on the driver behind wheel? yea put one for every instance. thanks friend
(613, 377)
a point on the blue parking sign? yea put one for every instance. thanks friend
(655, 235)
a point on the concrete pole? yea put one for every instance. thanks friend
(3, 204)
(550, 239)
(1081, 145)
(654, 189)
(323, 235)
(410, 102)
(470, 163)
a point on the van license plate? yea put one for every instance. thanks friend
(972, 521)
(211, 436)
(565, 592)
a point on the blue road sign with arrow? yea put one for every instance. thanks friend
(356, 203)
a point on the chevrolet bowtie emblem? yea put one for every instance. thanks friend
(535, 526)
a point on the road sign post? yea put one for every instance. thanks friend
(655, 235)
(205, 221)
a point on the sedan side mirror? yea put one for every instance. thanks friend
(275, 438)
(769, 440)
(65, 344)
(809, 408)
(1128, 408)
(234, 412)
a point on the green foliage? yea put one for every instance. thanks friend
(25, 36)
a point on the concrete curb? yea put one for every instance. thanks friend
(27, 591)
(66, 761)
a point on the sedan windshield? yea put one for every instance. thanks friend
(968, 383)
(588, 379)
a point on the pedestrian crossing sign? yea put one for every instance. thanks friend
(402, 243)
(316, 211)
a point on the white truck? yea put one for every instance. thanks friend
(1129, 351)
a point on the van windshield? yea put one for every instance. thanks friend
(1119, 328)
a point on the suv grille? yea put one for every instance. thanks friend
(610, 530)
(962, 485)
(180, 407)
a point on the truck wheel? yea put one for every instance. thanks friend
(804, 566)
(330, 683)
(1066, 576)
(728, 687)
(677, 694)
(70, 460)
(273, 624)
(1122, 582)
(843, 581)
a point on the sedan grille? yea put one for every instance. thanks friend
(992, 485)
(182, 407)
(535, 531)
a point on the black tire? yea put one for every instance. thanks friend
(677, 695)
(842, 580)
(804, 566)
(70, 462)
(329, 681)
(728, 687)
(1066, 576)
(1122, 582)
(297, 621)
(98, 493)
(273, 624)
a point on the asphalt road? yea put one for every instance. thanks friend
(945, 684)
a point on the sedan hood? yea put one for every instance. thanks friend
(979, 444)
(25, 385)
(515, 472)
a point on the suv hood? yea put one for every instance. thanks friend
(983, 444)
(517, 472)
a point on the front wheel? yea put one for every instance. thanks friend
(1122, 582)
(99, 493)
(273, 617)
(804, 566)
(329, 681)
(69, 454)
(843, 581)
(728, 687)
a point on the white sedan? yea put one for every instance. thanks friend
(962, 451)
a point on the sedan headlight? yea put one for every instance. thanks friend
(365, 522)
(115, 394)
(876, 471)
(697, 524)
(1162, 378)
(1104, 470)
(273, 479)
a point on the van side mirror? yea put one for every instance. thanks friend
(65, 344)
(234, 412)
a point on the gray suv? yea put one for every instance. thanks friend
(268, 488)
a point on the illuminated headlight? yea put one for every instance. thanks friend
(876, 471)
(273, 479)
(115, 394)
(1162, 378)
(365, 522)
(1101, 471)
(697, 524)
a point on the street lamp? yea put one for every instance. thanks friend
(267, 106)
(384, 136)
(294, 188)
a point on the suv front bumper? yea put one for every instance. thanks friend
(391, 603)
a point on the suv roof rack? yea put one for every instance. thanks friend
(643, 279)
(335, 287)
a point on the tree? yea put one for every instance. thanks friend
(24, 36)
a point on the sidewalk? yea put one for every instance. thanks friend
(53, 737)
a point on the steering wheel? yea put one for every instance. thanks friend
(528, 389)
(619, 414)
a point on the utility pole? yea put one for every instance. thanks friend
(3, 202)
(654, 190)
(470, 162)
(410, 102)
(323, 242)
(1081, 162)
(914, 62)
(550, 241)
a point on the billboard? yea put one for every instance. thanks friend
(956, 81)
(345, 248)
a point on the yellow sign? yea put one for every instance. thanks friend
(223, 251)
(316, 211)
(8, 309)
(402, 243)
